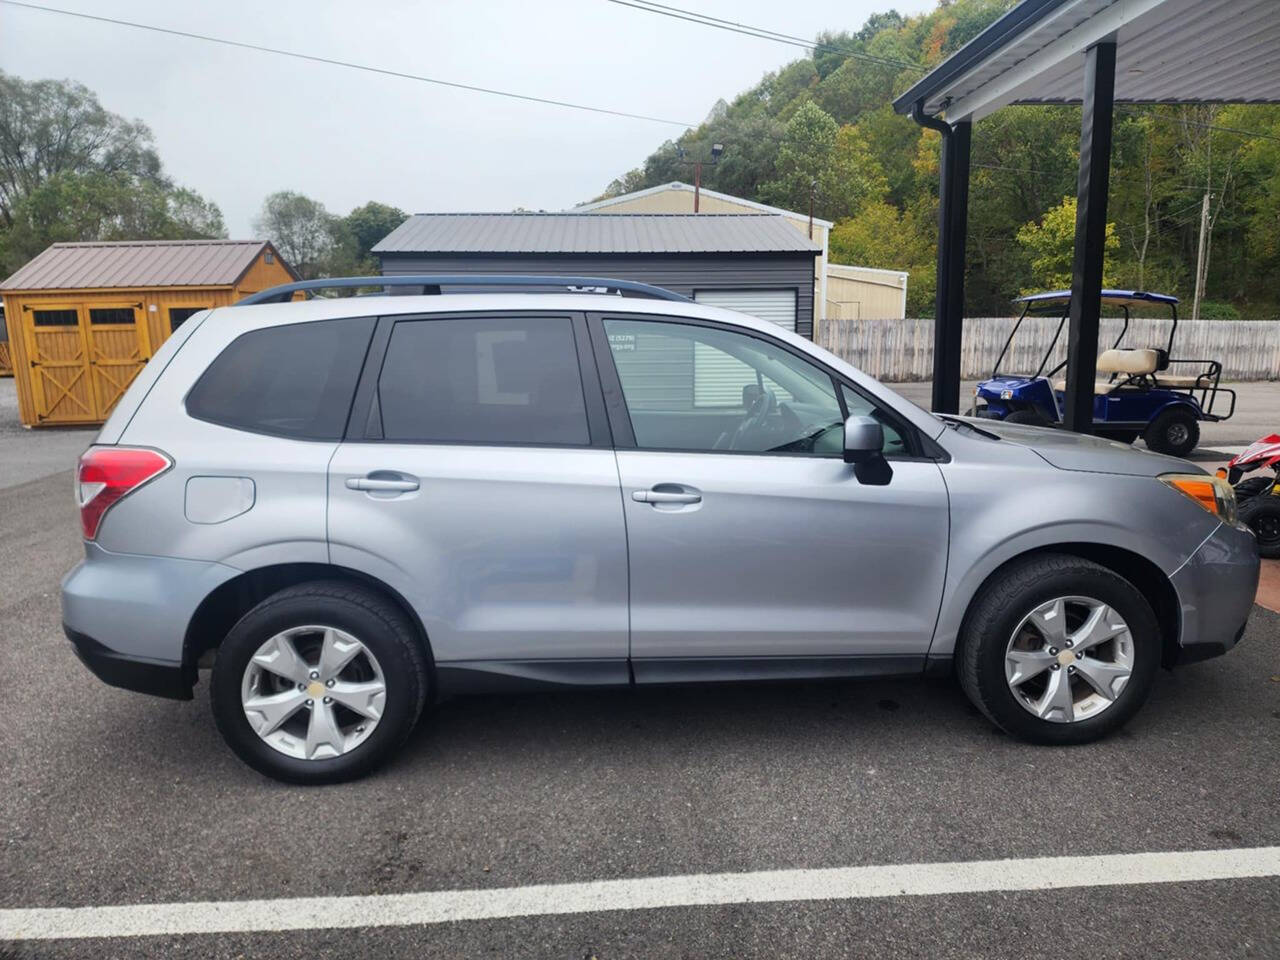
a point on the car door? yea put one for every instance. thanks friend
(752, 546)
(477, 478)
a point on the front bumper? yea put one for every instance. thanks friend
(1216, 588)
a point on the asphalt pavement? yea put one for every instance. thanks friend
(112, 798)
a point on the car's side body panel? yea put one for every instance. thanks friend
(783, 556)
(505, 553)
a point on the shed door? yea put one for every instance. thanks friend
(776, 306)
(117, 350)
(60, 385)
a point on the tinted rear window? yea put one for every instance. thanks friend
(483, 380)
(293, 381)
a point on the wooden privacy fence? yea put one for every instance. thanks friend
(900, 350)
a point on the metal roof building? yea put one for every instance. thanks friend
(1095, 53)
(84, 317)
(756, 263)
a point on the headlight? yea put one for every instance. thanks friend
(1006, 394)
(1212, 493)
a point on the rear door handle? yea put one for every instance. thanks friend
(384, 486)
(664, 496)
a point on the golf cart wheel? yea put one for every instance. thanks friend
(1262, 516)
(1248, 489)
(1033, 417)
(1175, 432)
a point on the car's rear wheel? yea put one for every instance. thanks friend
(1059, 650)
(319, 683)
(1176, 431)
(1262, 516)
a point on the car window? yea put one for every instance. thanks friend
(860, 406)
(483, 380)
(692, 387)
(295, 380)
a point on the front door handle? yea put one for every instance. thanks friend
(664, 496)
(381, 486)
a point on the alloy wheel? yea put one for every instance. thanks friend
(313, 692)
(1069, 659)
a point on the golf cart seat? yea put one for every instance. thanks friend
(1124, 365)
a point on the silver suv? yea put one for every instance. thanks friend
(350, 507)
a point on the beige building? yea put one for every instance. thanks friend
(857, 293)
(839, 291)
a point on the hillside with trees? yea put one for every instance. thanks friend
(826, 119)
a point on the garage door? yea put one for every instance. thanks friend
(718, 378)
(776, 306)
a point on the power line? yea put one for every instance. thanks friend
(528, 98)
(760, 33)
(1182, 121)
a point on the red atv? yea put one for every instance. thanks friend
(1259, 497)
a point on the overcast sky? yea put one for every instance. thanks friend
(237, 124)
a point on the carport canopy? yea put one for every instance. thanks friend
(1094, 53)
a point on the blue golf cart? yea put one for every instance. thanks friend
(1135, 395)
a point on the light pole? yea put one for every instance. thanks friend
(717, 149)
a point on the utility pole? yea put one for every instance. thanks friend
(1200, 266)
(813, 188)
(717, 149)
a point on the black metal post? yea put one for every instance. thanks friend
(953, 231)
(1091, 230)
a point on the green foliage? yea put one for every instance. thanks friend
(804, 156)
(1213, 310)
(882, 236)
(71, 170)
(1050, 246)
(317, 243)
(880, 172)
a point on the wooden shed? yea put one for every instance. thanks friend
(84, 317)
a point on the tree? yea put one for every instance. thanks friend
(369, 224)
(51, 127)
(1050, 245)
(853, 177)
(803, 157)
(305, 233)
(72, 171)
(882, 236)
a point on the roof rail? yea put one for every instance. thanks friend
(434, 284)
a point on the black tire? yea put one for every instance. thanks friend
(1254, 486)
(1120, 436)
(1003, 604)
(1262, 516)
(1175, 431)
(378, 624)
(1033, 417)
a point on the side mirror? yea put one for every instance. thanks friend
(863, 447)
(863, 439)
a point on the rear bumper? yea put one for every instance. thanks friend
(1216, 588)
(160, 678)
(127, 616)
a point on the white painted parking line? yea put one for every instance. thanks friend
(771, 886)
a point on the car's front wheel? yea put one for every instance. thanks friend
(319, 683)
(1059, 650)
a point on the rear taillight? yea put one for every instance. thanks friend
(109, 474)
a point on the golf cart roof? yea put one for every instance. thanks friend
(1108, 296)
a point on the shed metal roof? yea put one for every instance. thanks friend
(1167, 51)
(142, 263)
(637, 233)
